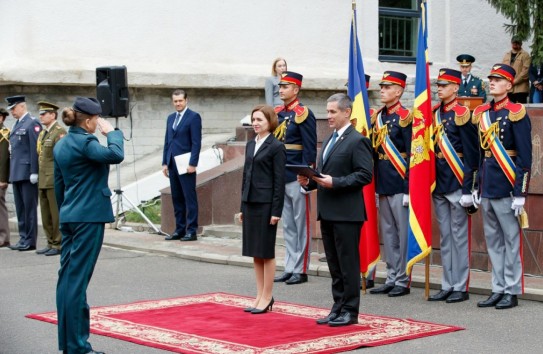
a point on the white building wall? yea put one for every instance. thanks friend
(218, 43)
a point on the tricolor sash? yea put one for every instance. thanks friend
(450, 155)
(381, 138)
(489, 140)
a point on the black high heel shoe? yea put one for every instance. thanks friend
(265, 309)
(248, 309)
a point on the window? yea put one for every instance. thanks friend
(398, 27)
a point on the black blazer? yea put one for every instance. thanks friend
(350, 164)
(264, 174)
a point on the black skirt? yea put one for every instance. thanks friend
(258, 234)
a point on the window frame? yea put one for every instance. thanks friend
(399, 12)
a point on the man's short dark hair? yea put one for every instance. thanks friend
(178, 92)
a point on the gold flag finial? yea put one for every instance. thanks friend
(354, 4)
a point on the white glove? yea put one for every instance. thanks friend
(518, 205)
(34, 178)
(476, 198)
(466, 200)
(405, 200)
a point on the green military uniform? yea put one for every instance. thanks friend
(46, 180)
(470, 82)
(4, 178)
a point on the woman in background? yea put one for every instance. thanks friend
(271, 87)
(262, 194)
(83, 196)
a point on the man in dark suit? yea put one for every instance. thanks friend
(183, 135)
(470, 85)
(345, 164)
(24, 172)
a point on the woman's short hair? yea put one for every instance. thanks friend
(270, 115)
(274, 73)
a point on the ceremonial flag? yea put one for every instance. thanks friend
(422, 166)
(369, 238)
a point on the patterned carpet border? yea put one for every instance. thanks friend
(374, 330)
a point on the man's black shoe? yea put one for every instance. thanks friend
(297, 278)
(440, 296)
(457, 296)
(343, 320)
(53, 252)
(283, 277)
(491, 301)
(174, 236)
(189, 237)
(331, 316)
(383, 289)
(508, 301)
(399, 291)
(43, 250)
(27, 248)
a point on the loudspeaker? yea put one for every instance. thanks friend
(112, 90)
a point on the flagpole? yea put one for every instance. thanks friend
(427, 277)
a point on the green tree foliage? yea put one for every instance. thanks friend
(527, 19)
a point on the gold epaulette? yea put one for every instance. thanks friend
(517, 111)
(478, 111)
(301, 114)
(462, 114)
(406, 117)
(375, 114)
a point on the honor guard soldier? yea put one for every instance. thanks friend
(298, 131)
(457, 159)
(4, 178)
(470, 86)
(47, 139)
(505, 137)
(23, 173)
(392, 143)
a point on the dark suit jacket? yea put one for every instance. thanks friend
(187, 137)
(24, 157)
(81, 174)
(264, 174)
(350, 165)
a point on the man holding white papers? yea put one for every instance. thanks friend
(183, 135)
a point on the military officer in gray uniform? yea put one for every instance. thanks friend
(49, 136)
(470, 86)
(505, 169)
(24, 172)
(392, 143)
(4, 178)
(457, 159)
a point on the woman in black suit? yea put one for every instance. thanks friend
(262, 194)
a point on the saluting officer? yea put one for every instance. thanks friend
(298, 131)
(457, 159)
(4, 178)
(24, 172)
(470, 86)
(392, 144)
(47, 139)
(505, 136)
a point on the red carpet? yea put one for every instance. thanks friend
(215, 323)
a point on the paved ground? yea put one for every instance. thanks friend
(138, 266)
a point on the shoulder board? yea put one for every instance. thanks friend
(278, 109)
(406, 117)
(478, 111)
(436, 107)
(374, 114)
(517, 111)
(462, 114)
(301, 114)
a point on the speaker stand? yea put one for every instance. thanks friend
(121, 197)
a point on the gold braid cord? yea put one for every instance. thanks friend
(4, 134)
(437, 133)
(281, 130)
(488, 136)
(378, 136)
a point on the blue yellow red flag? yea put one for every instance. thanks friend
(422, 165)
(356, 89)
